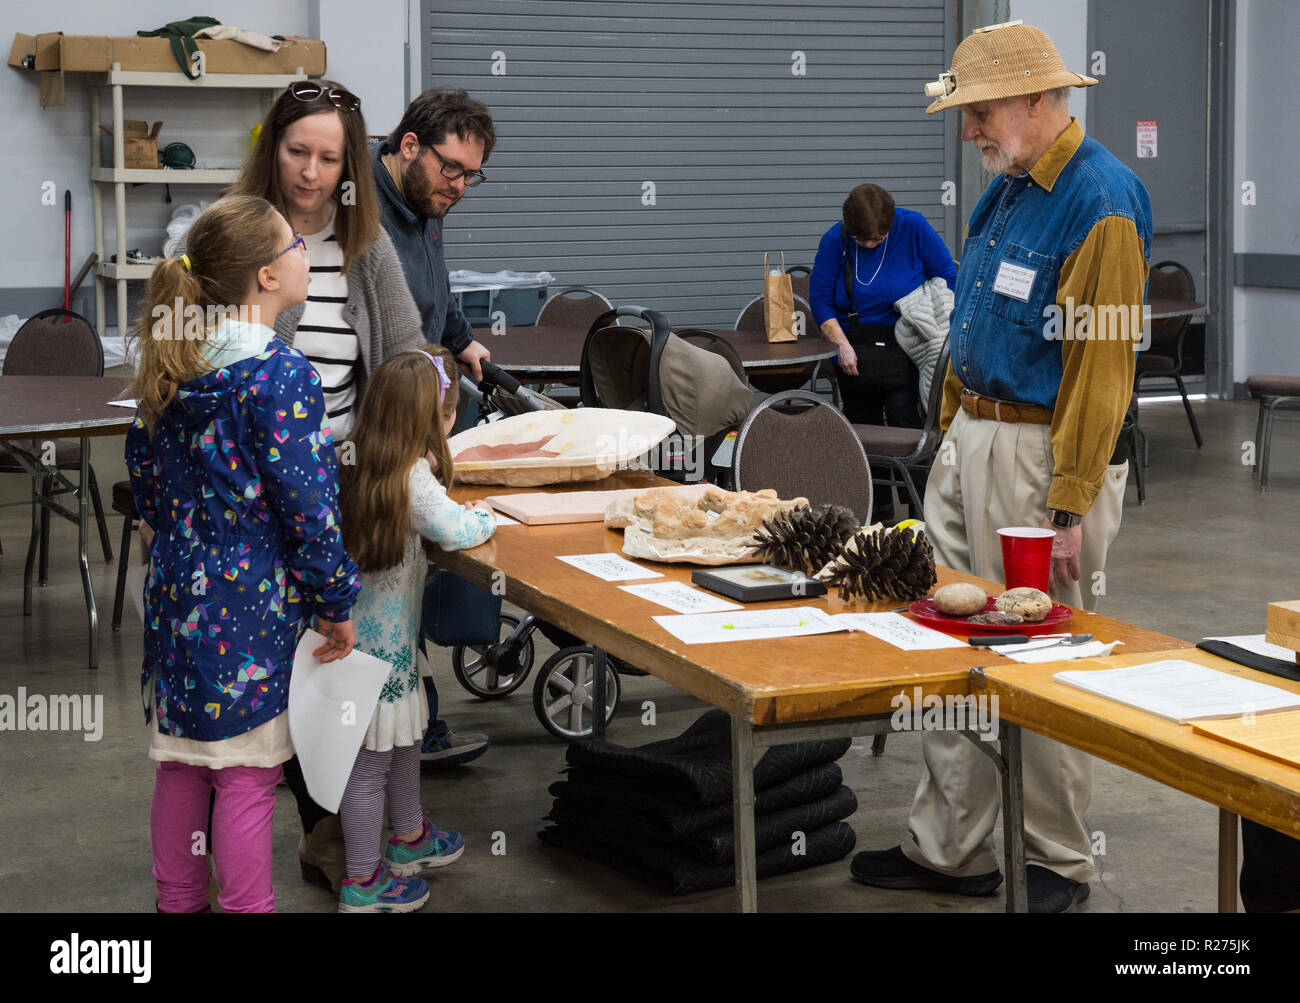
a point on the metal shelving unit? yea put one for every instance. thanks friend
(119, 176)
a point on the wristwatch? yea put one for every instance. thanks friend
(1062, 519)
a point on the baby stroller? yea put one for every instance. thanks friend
(564, 687)
(692, 376)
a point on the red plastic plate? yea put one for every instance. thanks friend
(924, 610)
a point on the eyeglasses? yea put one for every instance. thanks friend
(309, 90)
(298, 241)
(454, 172)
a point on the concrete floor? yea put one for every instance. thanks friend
(1203, 556)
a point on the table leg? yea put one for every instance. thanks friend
(742, 813)
(1013, 819)
(1227, 861)
(599, 694)
(83, 510)
(34, 543)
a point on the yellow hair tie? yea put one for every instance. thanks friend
(185, 260)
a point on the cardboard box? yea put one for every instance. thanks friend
(54, 53)
(139, 143)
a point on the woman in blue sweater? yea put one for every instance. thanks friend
(877, 255)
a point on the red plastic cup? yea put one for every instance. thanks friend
(1026, 556)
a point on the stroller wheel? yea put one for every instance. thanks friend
(563, 693)
(489, 680)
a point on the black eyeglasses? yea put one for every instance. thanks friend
(309, 90)
(454, 172)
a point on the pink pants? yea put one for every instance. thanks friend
(241, 836)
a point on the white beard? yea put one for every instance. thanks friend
(999, 159)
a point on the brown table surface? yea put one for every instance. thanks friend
(557, 351)
(1164, 309)
(37, 405)
(1242, 782)
(779, 681)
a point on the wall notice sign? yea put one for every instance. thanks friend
(1146, 136)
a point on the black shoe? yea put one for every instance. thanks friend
(1049, 892)
(893, 869)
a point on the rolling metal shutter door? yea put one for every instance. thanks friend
(594, 102)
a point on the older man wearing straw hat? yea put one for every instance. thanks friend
(1053, 268)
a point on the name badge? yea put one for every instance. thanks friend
(1014, 281)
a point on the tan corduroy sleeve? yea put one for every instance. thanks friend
(951, 399)
(1103, 279)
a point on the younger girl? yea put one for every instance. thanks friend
(233, 473)
(394, 494)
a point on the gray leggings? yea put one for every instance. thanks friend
(362, 810)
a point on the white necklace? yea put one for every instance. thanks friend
(884, 246)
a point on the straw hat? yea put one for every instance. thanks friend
(1002, 61)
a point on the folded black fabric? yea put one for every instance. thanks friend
(1273, 666)
(679, 875)
(716, 845)
(665, 819)
(695, 767)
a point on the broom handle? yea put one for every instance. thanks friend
(67, 250)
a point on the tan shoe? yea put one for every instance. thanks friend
(321, 856)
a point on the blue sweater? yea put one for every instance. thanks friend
(912, 254)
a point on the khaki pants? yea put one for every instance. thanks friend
(998, 476)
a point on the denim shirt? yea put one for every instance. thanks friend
(418, 240)
(1026, 226)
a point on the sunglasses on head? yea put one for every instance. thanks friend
(310, 90)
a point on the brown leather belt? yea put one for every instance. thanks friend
(996, 410)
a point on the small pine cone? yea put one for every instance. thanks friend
(805, 539)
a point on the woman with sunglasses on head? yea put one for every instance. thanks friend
(877, 256)
(312, 162)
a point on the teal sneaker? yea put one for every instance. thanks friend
(383, 892)
(434, 848)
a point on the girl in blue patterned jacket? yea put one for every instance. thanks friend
(395, 505)
(233, 473)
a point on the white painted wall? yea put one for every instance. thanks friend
(53, 143)
(1267, 148)
(1066, 21)
(367, 54)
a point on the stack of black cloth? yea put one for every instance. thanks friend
(662, 812)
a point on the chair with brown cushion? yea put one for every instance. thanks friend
(782, 378)
(907, 449)
(574, 308)
(799, 445)
(1163, 358)
(57, 343)
(1272, 392)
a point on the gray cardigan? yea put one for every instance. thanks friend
(379, 308)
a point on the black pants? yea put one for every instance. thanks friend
(1270, 869)
(308, 810)
(886, 391)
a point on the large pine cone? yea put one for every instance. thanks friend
(883, 565)
(803, 538)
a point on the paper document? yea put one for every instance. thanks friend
(1181, 691)
(1256, 643)
(680, 597)
(1049, 651)
(610, 567)
(504, 520)
(756, 625)
(132, 404)
(330, 705)
(898, 630)
(1276, 736)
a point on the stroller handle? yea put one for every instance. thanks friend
(495, 374)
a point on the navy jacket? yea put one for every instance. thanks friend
(418, 240)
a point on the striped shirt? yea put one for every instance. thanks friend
(324, 336)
